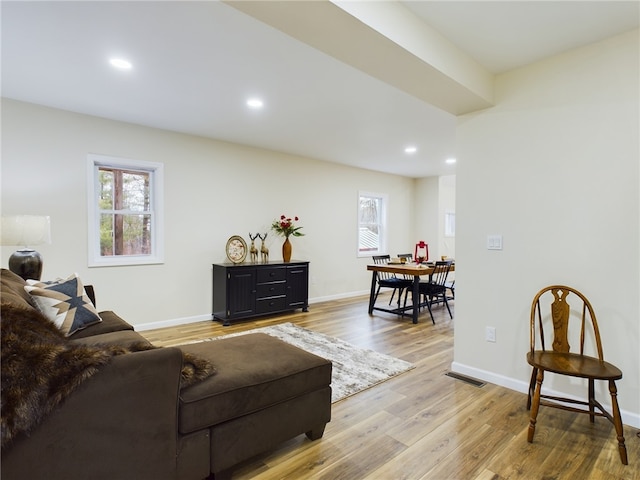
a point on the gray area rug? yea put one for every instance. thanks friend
(354, 368)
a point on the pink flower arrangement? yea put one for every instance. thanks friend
(285, 227)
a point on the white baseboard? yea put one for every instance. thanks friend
(172, 323)
(628, 418)
(339, 296)
(201, 318)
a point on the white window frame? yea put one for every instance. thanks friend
(382, 224)
(156, 185)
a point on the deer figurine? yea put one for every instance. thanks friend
(253, 250)
(263, 248)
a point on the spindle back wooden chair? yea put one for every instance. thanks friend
(390, 280)
(435, 290)
(562, 361)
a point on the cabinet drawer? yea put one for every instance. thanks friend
(271, 274)
(272, 304)
(271, 290)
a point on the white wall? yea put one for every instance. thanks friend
(434, 196)
(426, 215)
(212, 190)
(446, 204)
(553, 167)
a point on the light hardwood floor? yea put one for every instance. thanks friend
(423, 424)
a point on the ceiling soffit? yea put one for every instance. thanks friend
(388, 42)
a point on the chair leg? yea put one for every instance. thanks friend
(428, 302)
(375, 297)
(617, 422)
(535, 406)
(592, 400)
(532, 386)
(392, 295)
(404, 305)
(400, 292)
(446, 303)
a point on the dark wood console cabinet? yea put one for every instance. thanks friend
(246, 290)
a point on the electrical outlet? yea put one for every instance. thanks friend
(490, 334)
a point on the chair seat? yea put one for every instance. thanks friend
(395, 283)
(431, 288)
(574, 365)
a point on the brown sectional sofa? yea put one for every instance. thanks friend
(133, 419)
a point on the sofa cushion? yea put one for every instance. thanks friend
(13, 289)
(254, 371)
(65, 303)
(125, 338)
(111, 322)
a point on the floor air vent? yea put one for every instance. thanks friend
(469, 380)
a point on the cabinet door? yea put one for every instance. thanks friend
(298, 286)
(241, 292)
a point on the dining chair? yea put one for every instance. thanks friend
(390, 280)
(451, 286)
(451, 282)
(435, 290)
(563, 324)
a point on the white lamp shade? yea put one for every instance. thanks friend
(25, 230)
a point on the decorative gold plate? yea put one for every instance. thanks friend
(236, 249)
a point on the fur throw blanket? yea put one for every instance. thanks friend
(40, 367)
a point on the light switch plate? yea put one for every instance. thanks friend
(490, 334)
(494, 242)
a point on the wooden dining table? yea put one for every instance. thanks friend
(410, 269)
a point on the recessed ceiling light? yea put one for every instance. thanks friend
(410, 149)
(255, 103)
(450, 161)
(120, 64)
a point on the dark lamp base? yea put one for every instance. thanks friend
(27, 264)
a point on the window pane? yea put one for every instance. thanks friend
(106, 235)
(369, 210)
(369, 240)
(135, 191)
(124, 190)
(106, 189)
(125, 234)
(136, 232)
(369, 224)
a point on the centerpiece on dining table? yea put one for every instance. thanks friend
(286, 227)
(421, 253)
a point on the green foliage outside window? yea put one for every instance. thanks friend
(125, 219)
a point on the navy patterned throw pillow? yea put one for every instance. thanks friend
(65, 303)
